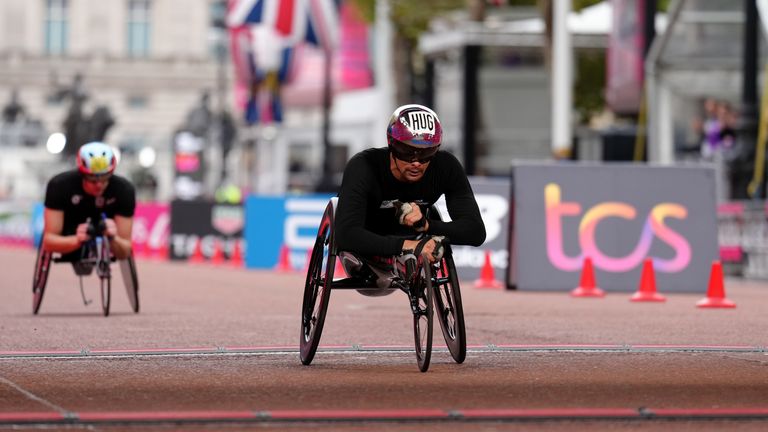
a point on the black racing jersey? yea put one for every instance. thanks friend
(365, 218)
(65, 192)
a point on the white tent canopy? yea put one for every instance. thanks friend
(588, 27)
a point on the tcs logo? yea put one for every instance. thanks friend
(654, 226)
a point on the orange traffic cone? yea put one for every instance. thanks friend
(162, 252)
(487, 278)
(236, 260)
(647, 290)
(716, 292)
(197, 256)
(218, 255)
(587, 286)
(284, 260)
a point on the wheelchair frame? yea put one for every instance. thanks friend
(435, 287)
(101, 258)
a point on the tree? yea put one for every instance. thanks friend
(409, 20)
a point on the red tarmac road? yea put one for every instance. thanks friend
(215, 347)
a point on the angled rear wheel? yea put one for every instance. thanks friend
(131, 281)
(449, 309)
(40, 277)
(317, 288)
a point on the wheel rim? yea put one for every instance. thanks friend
(105, 294)
(316, 290)
(422, 320)
(449, 309)
(131, 281)
(42, 265)
(313, 304)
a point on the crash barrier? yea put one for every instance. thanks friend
(288, 225)
(743, 238)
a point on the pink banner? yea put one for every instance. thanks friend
(730, 219)
(624, 62)
(151, 229)
(353, 56)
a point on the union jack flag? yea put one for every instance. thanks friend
(263, 34)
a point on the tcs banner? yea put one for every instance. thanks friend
(618, 215)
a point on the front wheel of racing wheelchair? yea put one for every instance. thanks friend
(434, 287)
(96, 256)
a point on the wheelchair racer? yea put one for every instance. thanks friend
(385, 193)
(77, 201)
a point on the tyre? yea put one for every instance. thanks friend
(449, 310)
(317, 288)
(40, 277)
(131, 281)
(422, 316)
(104, 273)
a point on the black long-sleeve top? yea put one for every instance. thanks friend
(365, 219)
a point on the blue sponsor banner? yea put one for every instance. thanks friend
(16, 222)
(275, 223)
(38, 223)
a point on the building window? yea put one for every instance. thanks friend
(137, 101)
(55, 27)
(138, 28)
(219, 46)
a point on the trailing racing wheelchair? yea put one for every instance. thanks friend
(94, 255)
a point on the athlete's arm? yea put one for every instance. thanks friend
(119, 232)
(351, 233)
(53, 240)
(466, 226)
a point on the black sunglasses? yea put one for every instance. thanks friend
(410, 154)
(90, 178)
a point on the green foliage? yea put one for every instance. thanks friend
(588, 92)
(367, 8)
(410, 18)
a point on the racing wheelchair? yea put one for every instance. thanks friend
(94, 255)
(430, 287)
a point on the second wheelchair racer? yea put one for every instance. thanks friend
(78, 198)
(385, 193)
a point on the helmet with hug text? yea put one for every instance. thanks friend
(414, 133)
(96, 158)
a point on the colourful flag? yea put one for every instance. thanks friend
(322, 27)
(263, 34)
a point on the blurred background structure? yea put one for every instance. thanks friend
(218, 100)
(281, 93)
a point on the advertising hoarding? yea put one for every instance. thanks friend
(618, 215)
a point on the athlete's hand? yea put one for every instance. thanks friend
(110, 228)
(429, 248)
(82, 232)
(414, 218)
